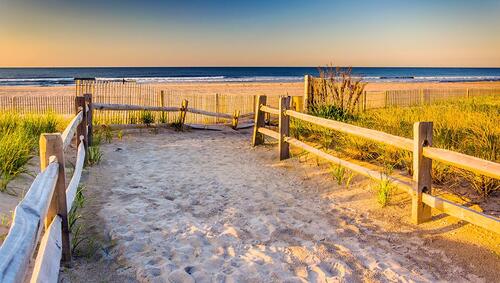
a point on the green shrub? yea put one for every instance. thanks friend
(147, 118)
(331, 112)
(338, 173)
(94, 155)
(384, 192)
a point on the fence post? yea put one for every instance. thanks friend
(284, 127)
(52, 145)
(422, 166)
(162, 104)
(81, 130)
(258, 138)
(217, 107)
(364, 101)
(90, 122)
(307, 92)
(386, 97)
(297, 104)
(467, 93)
(236, 117)
(421, 94)
(182, 115)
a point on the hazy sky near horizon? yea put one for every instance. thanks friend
(249, 33)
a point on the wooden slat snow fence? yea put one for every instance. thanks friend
(45, 208)
(420, 189)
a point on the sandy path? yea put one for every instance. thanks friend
(208, 207)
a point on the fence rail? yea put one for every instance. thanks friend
(48, 201)
(420, 189)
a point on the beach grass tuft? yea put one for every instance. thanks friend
(19, 136)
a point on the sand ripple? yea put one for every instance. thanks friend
(189, 207)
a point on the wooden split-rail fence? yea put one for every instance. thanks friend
(420, 189)
(46, 206)
(48, 201)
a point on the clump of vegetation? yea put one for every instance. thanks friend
(163, 118)
(108, 135)
(177, 125)
(483, 185)
(15, 151)
(119, 135)
(338, 173)
(94, 155)
(341, 175)
(336, 94)
(384, 191)
(147, 118)
(19, 135)
(102, 133)
(78, 238)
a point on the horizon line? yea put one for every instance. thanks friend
(235, 66)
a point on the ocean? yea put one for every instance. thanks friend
(65, 76)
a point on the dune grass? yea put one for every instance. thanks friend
(19, 136)
(469, 126)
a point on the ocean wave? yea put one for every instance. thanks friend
(208, 79)
(37, 81)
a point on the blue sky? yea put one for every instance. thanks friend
(249, 33)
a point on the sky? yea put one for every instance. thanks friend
(64, 33)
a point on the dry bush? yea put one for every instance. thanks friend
(336, 93)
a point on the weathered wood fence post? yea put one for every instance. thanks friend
(297, 104)
(182, 114)
(284, 127)
(90, 122)
(81, 130)
(422, 166)
(258, 138)
(236, 117)
(364, 101)
(217, 107)
(307, 92)
(52, 145)
(162, 104)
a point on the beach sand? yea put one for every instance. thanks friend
(204, 206)
(241, 88)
